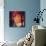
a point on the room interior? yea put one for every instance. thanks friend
(16, 36)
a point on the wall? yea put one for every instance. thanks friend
(1, 22)
(30, 7)
(43, 6)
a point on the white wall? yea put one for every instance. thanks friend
(1, 21)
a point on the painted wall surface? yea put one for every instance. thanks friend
(1, 21)
(30, 7)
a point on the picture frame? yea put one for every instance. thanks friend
(17, 18)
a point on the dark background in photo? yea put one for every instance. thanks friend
(17, 19)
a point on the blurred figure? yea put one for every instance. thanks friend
(18, 19)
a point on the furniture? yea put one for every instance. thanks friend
(39, 33)
(39, 36)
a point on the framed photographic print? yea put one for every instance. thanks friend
(17, 18)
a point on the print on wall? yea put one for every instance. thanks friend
(17, 18)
